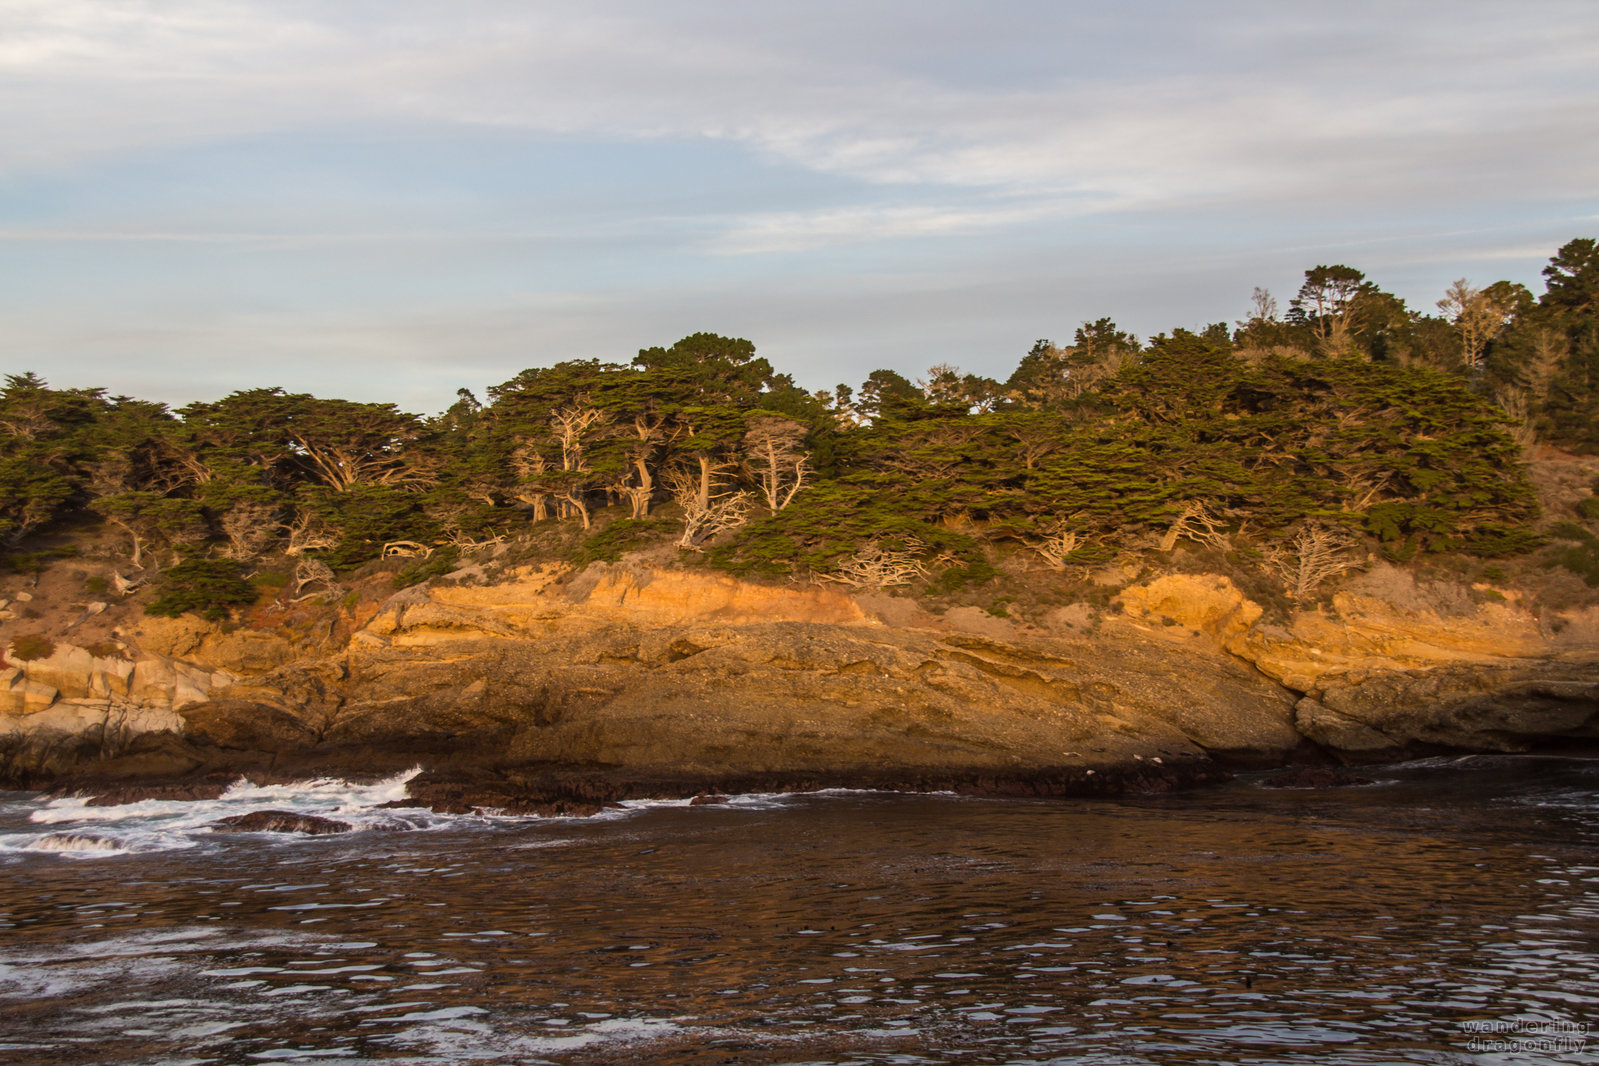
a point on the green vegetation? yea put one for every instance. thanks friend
(1577, 552)
(1279, 446)
(208, 587)
(440, 562)
(32, 646)
(623, 535)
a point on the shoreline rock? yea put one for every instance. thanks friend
(280, 822)
(512, 695)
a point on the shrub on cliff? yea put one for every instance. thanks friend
(31, 646)
(439, 562)
(210, 588)
(1579, 553)
(623, 535)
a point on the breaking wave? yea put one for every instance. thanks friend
(73, 826)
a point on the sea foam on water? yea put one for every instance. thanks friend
(158, 825)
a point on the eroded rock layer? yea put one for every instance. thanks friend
(555, 690)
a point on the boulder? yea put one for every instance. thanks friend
(1191, 604)
(279, 822)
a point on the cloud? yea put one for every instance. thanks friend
(1232, 101)
(793, 231)
(319, 189)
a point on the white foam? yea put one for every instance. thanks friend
(163, 825)
(72, 842)
(160, 825)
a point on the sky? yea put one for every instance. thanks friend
(389, 200)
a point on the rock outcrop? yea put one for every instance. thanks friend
(59, 705)
(1394, 667)
(705, 684)
(280, 822)
(674, 674)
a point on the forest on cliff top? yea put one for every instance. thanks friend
(1300, 443)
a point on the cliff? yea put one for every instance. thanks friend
(553, 686)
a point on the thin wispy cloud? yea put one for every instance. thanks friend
(792, 231)
(116, 77)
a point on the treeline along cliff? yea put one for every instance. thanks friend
(1293, 437)
(1348, 417)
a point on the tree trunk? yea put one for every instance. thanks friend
(573, 503)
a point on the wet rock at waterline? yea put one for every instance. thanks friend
(280, 822)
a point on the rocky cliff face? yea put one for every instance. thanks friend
(1392, 667)
(655, 677)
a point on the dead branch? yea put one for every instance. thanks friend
(1514, 403)
(314, 572)
(308, 533)
(466, 545)
(1314, 554)
(249, 527)
(530, 466)
(124, 585)
(877, 567)
(1196, 523)
(1055, 549)
(777, 459)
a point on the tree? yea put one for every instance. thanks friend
(1477, 318)
(1051, 377)
(942, 387)
(572, 427)
(149, 520)
(1569, 309)
(642, 443)
(724, 369)
(887, 395)
(1327, 302)
(46, 444)
(348, 444)
(208, 587)
(949, 391)
(532, 471)
(1042, 378)
(32, 491)
(775, 455)
(1571, 280)
(299, 437)
(361, 519)
(1102, 343)
(1263, 328)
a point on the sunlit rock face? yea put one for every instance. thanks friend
(669, 673)
(1392, 665)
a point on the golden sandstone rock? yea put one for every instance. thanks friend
(675, 672)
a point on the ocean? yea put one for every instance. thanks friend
(1447, 912)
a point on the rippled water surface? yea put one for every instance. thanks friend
(1388, 923)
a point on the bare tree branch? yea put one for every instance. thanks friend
(1315, 553)
(877, 567)
(1196, 523)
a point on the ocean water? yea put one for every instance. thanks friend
(1446, 913)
